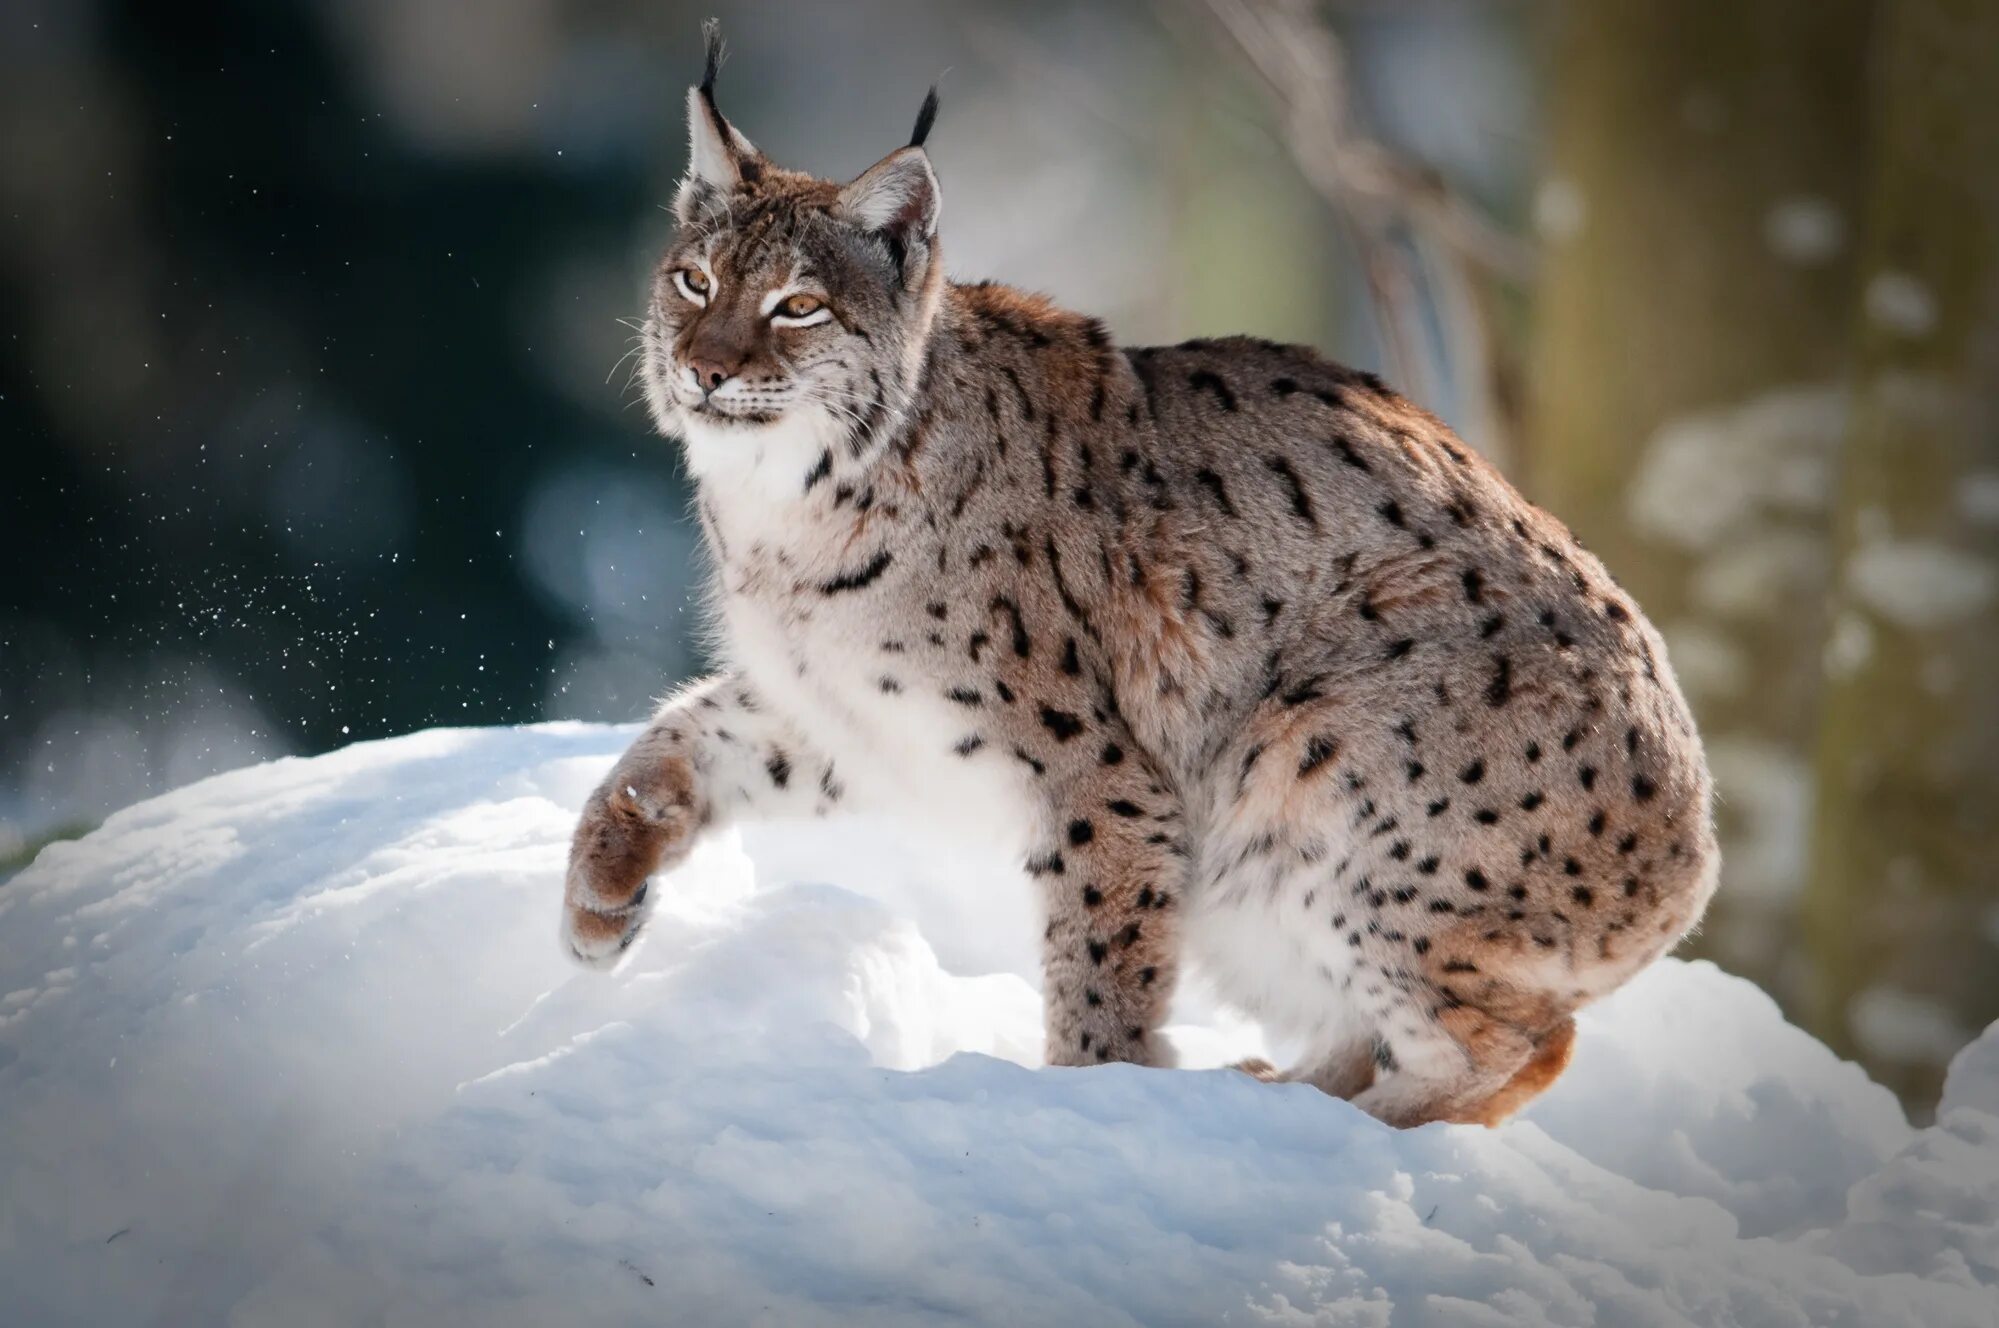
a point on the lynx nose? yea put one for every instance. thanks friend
(711, 372)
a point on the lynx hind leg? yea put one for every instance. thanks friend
(1344, 1072)
(1474, 1070)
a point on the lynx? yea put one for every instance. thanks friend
(1254, 664)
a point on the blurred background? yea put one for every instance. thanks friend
(315, 424)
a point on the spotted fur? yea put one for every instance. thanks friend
(1253, 662)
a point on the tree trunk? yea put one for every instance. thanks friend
(1904, 899)
(1688, 394)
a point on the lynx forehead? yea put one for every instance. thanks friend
(1256, 664)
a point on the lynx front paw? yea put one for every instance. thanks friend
(627, 832)
(595, 939)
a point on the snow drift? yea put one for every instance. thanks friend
(295, 1045)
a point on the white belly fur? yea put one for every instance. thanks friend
(1264, 952)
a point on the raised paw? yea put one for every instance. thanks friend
(597, 939)
(628, 831)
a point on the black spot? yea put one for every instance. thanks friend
(1643, 788)
(1071, 665)
(1092, 896)
(1081, 832)
(1583, 895)
(1397, 649)
(1490, 627)
(1472, 773)
(1048, 864)
(1415, 770)
(1112, 754)
(1627, 844)
(1308, 690)
(1345, 452)
(1204, 379)
(1500, 689)
(1586, 776)
(1318, 751)
(1060, 723)
(855, 580)
(1596, 823)
(1301, 502)
(1531, 801)
(1146, 975)
(1571, 867)
(1421, 945)
(1476, 880)
(1214, 485)
(820, 471)
(1474, 583)
(965, 696)
(1022, 646)
(1439, 807)
(1099, 950)
(969, 744)
(1428, 866)
(1391, 512)
(1486, 816)
(779, 767)
(1533, 752)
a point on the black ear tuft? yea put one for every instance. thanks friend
(924, 119)
(711, 33)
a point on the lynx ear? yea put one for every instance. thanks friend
(895, 198)
(719, 158)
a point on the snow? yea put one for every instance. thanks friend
(1559, 209)
(1804, 229)
(1921, 584)
(295, 1046)
(1901, 303)
(1710, 480)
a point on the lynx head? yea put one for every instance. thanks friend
(789, 316)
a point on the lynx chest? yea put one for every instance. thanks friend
(860, 682)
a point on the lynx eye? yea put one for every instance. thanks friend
(693, 283)
(799, 307)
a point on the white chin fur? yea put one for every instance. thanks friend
(754, 470)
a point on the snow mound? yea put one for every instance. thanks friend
(295, 1046)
